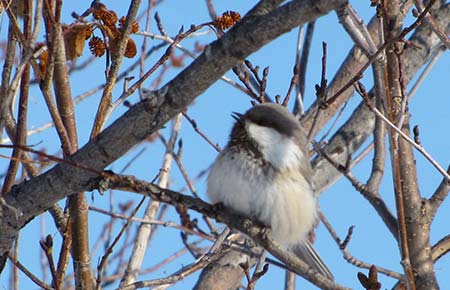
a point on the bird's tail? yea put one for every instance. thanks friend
(306, 252)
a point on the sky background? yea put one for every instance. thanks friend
(341, 204)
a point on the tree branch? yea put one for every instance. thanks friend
(257, 232)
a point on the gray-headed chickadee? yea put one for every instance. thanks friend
(264, 173)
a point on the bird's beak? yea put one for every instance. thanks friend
(237, 116)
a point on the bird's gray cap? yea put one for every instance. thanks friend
(276, 117)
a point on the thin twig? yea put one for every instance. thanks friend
(108, 251)
(150, 221)
(200, 132)
(374, 57)
(373, 197)
(352, 260)
(106, 100)
(180, 36)
(169, 259)
(146, 232)
(190, 184)
(321, 91)
(211, 10)
(30, 275)
(436, 28)
(418, 147)
(294, 80)
(354, 26)
(177, 276)
(303, 63)
(439, 195)
(426, 70)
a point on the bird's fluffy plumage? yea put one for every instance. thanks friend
(276, 194)
(264, 173)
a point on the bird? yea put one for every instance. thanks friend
(264, 173)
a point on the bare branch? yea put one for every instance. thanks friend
(351, 259)
(145, 230)
(29, 274)
(256, 232)
(441, 248)
(439, 195)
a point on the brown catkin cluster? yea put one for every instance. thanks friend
(227, 20)
(134, 28)
(100, 12)
(97, 46)
(112, 27)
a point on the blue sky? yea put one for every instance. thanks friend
(343, 206)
